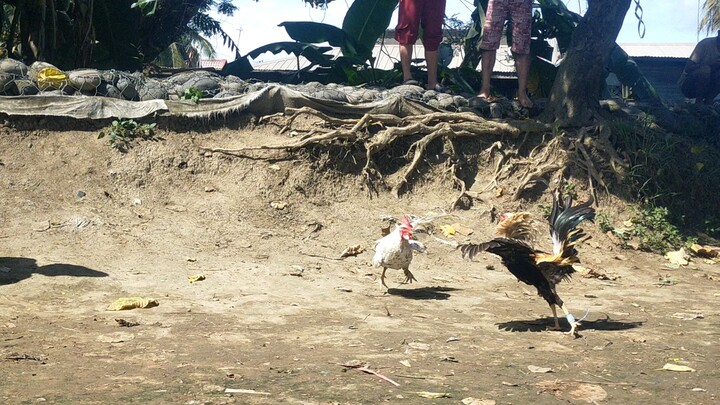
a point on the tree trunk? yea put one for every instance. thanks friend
(574, 98)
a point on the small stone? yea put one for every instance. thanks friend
(136, 201)
(80, 194)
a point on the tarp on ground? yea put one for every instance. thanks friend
(268, 100)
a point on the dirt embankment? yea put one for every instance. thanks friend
(279, 312)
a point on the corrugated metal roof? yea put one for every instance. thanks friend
(218, 64)
(387, 55)
(680, 50)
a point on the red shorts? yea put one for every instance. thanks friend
(413, 13)
(520, 12)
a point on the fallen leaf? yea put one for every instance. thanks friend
(705, 251)
(679, 257)
(405, 363)
(447, 230)
(536, 369)
(687, 317)
(352, 251)
(419, 346)
(242, 391)
(433, 395)
(590, 273)
(677, 367)
(126, 324)
(462, 229)
(196, 278)
(475, 401)
(279, 205)
(132, 302)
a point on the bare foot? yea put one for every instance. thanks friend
(526, 102)
(487, 97)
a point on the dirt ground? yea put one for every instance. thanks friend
(82, 225)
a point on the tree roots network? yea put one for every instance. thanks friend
(551, 157)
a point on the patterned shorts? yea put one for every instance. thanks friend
(520, 12)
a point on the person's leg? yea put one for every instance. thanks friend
(406, 52)
(522, 65)
(406, 33)
(521, 14)
(492, 32)
(487, 64)
(431, 59)
(433, 15)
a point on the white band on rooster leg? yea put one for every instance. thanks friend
(568, 315)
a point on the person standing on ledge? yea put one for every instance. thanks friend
(701, 77)
(520, 13)
(412, 14)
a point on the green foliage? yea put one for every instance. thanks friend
(365, 22)
(123, 131)
(603, 222)
(676, 171)
(655, 233)
(570, 190)
(192, 94)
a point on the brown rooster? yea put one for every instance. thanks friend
(534, 267)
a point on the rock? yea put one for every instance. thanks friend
(152, 89)
(24, 87)
(108, 90)
(6, 82)
(85, 79)
(128, 85)
(13, 67)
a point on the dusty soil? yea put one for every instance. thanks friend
(278, 313)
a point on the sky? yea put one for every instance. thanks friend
(255, 23)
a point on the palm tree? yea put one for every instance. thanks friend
(710, 21)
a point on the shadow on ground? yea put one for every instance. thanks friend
(540, 325)
(423, 293)
(14, 269)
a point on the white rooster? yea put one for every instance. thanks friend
(395, 251)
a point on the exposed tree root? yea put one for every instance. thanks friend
(545, 162)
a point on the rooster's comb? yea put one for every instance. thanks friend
(406, 221)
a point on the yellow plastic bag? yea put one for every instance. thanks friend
(51, 78)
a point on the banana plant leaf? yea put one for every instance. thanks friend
(561, 21)
(314, 33)
(365, 22)
(315, 54)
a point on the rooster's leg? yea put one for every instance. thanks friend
(382, 278)
(557, 323)
(571, 319)
(409, 278)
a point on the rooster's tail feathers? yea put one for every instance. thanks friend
(565, 220)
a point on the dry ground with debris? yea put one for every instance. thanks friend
(279, 313)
